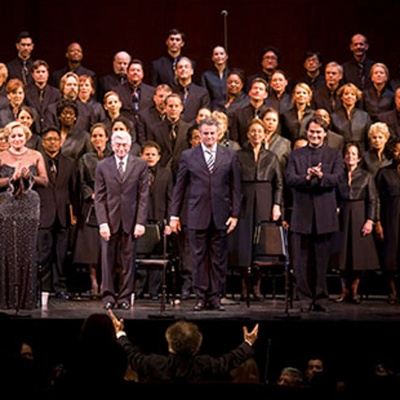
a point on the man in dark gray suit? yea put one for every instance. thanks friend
(121, 201)
(313, 172)
(210, 173)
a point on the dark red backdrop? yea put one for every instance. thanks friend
(104, 27)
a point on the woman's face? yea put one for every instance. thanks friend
(378, 141)
(256, 134)
(352, 156)
(301, 96)
(379, 75)
(234, 85)
(25, 118)
(271, 120)
(112, 104)
(4, 144)
(16, 97)
(119, 126)
(349, 97)
(99, 138)
(17, 138)
(278, 82)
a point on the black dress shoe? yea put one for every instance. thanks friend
(320, 308)
(109, 305)
(62, 296)
(185, 296)
(199, 306)
(124, 305)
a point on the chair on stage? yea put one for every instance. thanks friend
(151, 252)
(271, 256)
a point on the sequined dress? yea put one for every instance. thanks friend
(19, 223)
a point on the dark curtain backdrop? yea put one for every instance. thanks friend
(139, 27)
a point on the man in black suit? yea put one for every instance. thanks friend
(160, 193)
(313, 172)
(171, 133)
(210, 175)
(163, 68)
(241, 117)
(20, 66)
(40, 94)
(118, 77)
(74, 56)
(357, 70)
(135, 94)
(58, 210)
(121, 203)
(151, 116)
(194, 97)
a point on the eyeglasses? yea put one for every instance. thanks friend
(51, 139)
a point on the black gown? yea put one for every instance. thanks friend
(19, 224)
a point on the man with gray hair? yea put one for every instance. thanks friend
(121, 201)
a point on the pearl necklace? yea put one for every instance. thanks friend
(15, 153)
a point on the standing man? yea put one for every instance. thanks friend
(313, 173)
(58, 210)
(20, 66)
(121, 202)
(210, 174)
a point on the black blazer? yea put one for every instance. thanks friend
(56, 198)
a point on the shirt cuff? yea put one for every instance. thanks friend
(120, 334)
(173, 218)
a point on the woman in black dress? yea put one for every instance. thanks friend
(358, 204)
(87, 246)
(388, 226)
(262, 197)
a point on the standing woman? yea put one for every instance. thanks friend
(388, 226)
(262, 186)
(358, 204)
(86, 95)
(20, 169)
(349, 121)
(87, 246)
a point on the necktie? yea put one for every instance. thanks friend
(210, 160)
(41, 95)
(24, 72)
(361, 74)
(121, 168)
(135, 100)
(172, 134)
(151, 177)
(53, 171)
(185, 95)
(174, 64)
(333, 101)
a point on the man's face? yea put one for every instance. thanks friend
(209, 135)
(184, 69)
(174, 43)
(159, 98)
(173, 108)
(258, 91)
(74, 52)
(25, 48)
(120, 147)
(71, 88)
(51, 142)
(312, 64)
(135, 74)
(151, 156)
(120, 63)
(333, 76)
(358, 45)
(40, 75)
(269, 61)
(315, 135)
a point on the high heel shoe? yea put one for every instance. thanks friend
(342, 297)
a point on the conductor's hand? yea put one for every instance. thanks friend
(175, 225)
(139, 230)
(105, 232)
(250, 337)
(231, 224)
(118, 323)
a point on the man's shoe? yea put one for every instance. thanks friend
(199, 306)
(109, 305)
(124, 305)
(320, 308)
(185, 296)
(62, 296)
